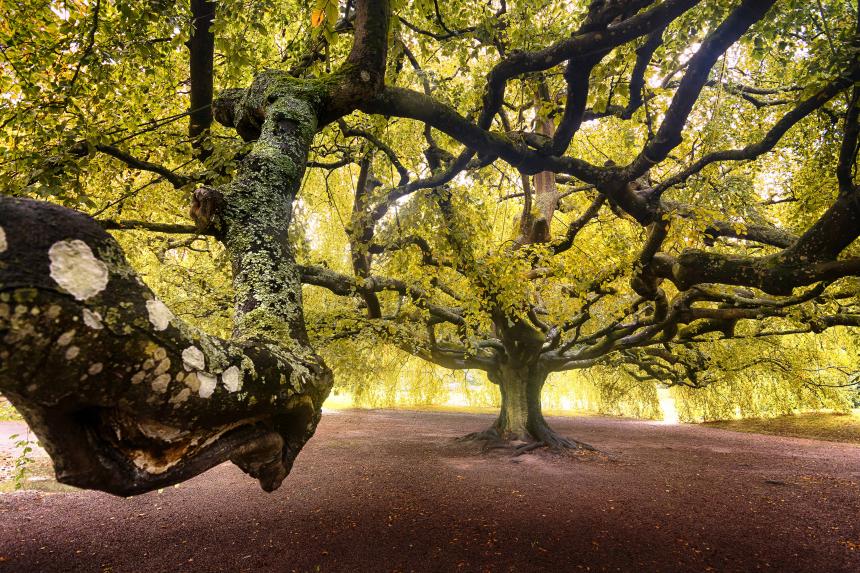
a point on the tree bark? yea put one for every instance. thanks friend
(521, 417)
(124, 396)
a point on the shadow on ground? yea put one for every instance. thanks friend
(391, 491)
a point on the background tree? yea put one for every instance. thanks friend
(531, 188)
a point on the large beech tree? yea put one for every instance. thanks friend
(639, 255)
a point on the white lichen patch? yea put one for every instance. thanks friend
(75, 269)
(3, 244)
(159, 354)
(54, 311)
(160, 383)
(95, 368)
(207, 384)
(232, 379)
(65, 338)
(72, 352)
(93, 319)
(138, 378)
(159, 315)
(193, 359)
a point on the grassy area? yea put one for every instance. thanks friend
(816, 425)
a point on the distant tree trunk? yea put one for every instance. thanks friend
(521, 416)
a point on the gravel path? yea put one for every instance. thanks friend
(391, 491)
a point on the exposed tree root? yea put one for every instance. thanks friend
(522, 444)
(490, 437)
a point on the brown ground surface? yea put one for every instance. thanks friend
(390, 491)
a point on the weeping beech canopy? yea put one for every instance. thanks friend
(516, 187)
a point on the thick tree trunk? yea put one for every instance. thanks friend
(124, 396)
(521, 418)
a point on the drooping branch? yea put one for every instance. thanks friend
(771, 138)
(578, 224)
(382, 146)
(848, 150)
(637, 78)
(759, 233)
(668, 136)
(82, 148)
(88, 47)
(427, 257)
(772, 274)
(343, 285)
(361, 232)
(133, 225)
(577, 46)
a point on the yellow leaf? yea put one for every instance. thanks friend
(317, 18)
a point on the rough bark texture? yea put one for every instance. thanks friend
(521, 422)
(123, 395)
(520, 418)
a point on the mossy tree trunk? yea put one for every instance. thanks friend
(520, 421)
(124, 396)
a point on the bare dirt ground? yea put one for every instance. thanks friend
(390, 491)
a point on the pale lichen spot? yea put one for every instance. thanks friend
(3, 244)
(193, 359)
(148, 364)
(159, 354)
(207, 384)
(95, 368)
(75, 269)
(93, 319)
(181, 397)
(138, 378)
(54, 311)
(72, 352)
(5, 310)
(232, 379)
(192, 382)
(158, 431)
(159, 384)
(66, 337)
(179, 376)
(162, 367)
(159, 315)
